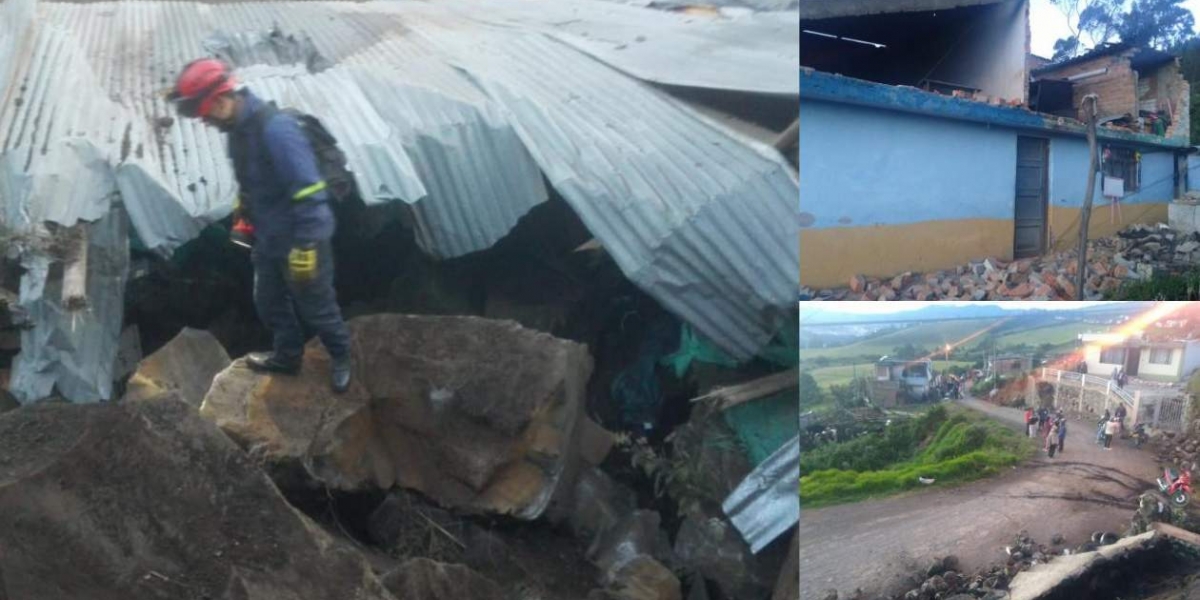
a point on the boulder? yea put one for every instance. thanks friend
(596, 504)
(146, 500)
(479, 415)
(639, 533)
(185, 367)
(707, 543)
(641, 579)
(424, 579)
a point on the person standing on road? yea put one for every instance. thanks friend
(284, 196)
(1062, 432)
(1101, 425)
(1052, 439)
(1109, 431)
(1120, 416)
(1029, 421)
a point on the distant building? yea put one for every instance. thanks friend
(1163, 360)
(897, 378)
(1009, 364)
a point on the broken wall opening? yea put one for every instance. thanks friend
(973, 49)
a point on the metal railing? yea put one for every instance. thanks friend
(1165, 413)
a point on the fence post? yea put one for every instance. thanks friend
(1137, 407)
(1107, 394)
(1057, 384)
(1157, 412)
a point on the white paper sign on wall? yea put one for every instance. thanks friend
(1114, 186)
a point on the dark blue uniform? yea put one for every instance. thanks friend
(284, 195)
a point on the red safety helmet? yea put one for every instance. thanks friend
(200, 83)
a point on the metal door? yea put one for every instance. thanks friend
(1133, 357)
(1029, 238)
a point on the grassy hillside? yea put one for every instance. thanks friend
(925, 335)
(949, 446)
(1055, 335)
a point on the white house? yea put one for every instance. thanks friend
(893, 375)
(1162, 360)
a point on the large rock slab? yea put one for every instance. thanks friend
(146, 500)
(480, 415)
(185, 367)
(424, 579)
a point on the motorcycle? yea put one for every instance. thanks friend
(1176, 486)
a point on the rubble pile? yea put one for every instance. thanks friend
(1179, 450)
(1136, 253)
(146, 500)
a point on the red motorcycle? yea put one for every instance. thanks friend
(1176, 486)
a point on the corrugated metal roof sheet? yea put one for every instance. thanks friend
(456, 118)
(767, 502)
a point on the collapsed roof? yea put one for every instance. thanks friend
(453, 110)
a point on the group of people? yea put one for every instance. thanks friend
(1110, 426)
(1052, 428)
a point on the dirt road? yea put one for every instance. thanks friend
(875, 545)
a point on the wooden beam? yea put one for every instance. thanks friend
(74, 289)
(790, 137)
(752, 390)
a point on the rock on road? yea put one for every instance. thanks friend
(876, 545)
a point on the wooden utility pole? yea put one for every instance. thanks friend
(1081, 274)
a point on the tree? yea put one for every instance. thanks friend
(907, 351)
(1161, 24)
(810, 392)
(1098, 19)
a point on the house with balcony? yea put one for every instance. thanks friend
(898, 380)
(1154, 359)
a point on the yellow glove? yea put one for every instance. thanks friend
(302, 263)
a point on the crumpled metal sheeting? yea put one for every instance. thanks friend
(704, 222)
(381, 166)
(767, 503)
(480, 177)
(757, 52)
(74, 351)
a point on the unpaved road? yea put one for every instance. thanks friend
(876, 545)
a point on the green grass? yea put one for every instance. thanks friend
(925, 335)
(842, 374)
(1055, 335)
(951, 446)
(1171, 287)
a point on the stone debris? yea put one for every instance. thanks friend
(1178, 450)
(1136, 253)
(943, 579)
(185, 366)
(483, 419)
(424, 579)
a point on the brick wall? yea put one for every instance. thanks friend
(1117, 89)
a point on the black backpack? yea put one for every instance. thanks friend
(331, 161)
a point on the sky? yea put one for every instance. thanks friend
(1047, 24)
(875, 308)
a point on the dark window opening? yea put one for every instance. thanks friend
(1122, 163)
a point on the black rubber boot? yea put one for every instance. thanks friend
(270, 363)
(340, 376)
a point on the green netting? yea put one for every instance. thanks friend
(784, 350)
(766, 424)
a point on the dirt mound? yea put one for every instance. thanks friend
(147, 500)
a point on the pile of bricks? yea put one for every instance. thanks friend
(1138, 252)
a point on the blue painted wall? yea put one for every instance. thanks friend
(863, 166)
(1193, 163)
(1068, 175)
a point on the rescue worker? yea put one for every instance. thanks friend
(284, 197)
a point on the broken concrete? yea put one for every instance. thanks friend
(638, 534)
(146, 500)
(1136, 253)
(424, 579)
(1071, 576)
(186, 367)
(479, 415)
